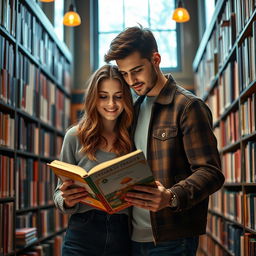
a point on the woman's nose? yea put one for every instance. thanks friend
(111, 102)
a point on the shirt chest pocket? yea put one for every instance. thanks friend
(165, 133)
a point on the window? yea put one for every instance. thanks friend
(209, 10)
(58, 17)
(153, 14)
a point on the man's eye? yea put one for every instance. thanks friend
(124, 74)
(137, 70)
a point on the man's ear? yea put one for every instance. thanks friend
(156, 58)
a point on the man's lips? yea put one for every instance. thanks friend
(137, 86)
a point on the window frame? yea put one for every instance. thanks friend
(95, 39)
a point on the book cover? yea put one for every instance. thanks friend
(108, 182)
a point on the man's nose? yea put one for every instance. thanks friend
(131, 79)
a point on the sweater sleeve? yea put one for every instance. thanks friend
(68, 154)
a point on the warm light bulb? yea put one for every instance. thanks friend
(71, 18)
(180, 15)
(46, 1)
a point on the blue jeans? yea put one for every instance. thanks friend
(97, 233)
(179, 247)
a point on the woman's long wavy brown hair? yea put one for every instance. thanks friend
(90, 125)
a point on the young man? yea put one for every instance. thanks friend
(174, 129)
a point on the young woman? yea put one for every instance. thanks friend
(101, 135)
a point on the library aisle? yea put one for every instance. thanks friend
(225, 72)
(34, 113)
(35, 103)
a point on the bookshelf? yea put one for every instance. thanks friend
(35, 87)
(225, 76)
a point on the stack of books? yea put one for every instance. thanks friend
(25, 236)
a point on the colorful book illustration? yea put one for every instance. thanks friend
(108, 182)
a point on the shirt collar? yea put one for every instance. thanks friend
(167, 93)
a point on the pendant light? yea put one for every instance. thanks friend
(180, 14)
(71, 18)
(46, 1)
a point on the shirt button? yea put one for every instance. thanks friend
(163, 134)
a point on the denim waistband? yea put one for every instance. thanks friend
(96, 214)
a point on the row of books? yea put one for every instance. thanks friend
(248, 115)
(225, 77)
(30, 82)
(230, 81)
(250, 162)
(39, 97)
(235, 206)
(209, 247)
(7, 128)
(47, 146)
(228, 130)
(232, 237)
(243, 10)
(250, 213)
(6, 176)
(232, 160)
(8, 15)
(226, 91)
(7, 79)
(36, 94)
(215, 202)
(235, 14)
(225, 31)
(35, 39)
(35, 83)
(231, 166)
(28, 136)
(45, 221)
(51, 247)
(232, 205)
(37, 141)
(6, 228)
(35, 184)
(28, 86)
(247, 55)
(7, 58)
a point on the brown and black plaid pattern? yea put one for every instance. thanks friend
(183, 155)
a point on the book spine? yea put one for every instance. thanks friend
(98, 194)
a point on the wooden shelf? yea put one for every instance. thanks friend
(228, 83)
(22, 168)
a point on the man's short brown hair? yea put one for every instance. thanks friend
(133, 39)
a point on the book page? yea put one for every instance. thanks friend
(115, 183)
(113, 161)
(71, 168)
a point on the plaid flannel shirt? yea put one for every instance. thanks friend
(183, 155)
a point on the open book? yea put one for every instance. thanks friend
(108, 182)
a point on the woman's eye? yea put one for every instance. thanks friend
(118, 97)
(102, 97)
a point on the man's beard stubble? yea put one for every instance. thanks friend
(153, 79)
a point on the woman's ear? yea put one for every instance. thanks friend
(156, 59)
